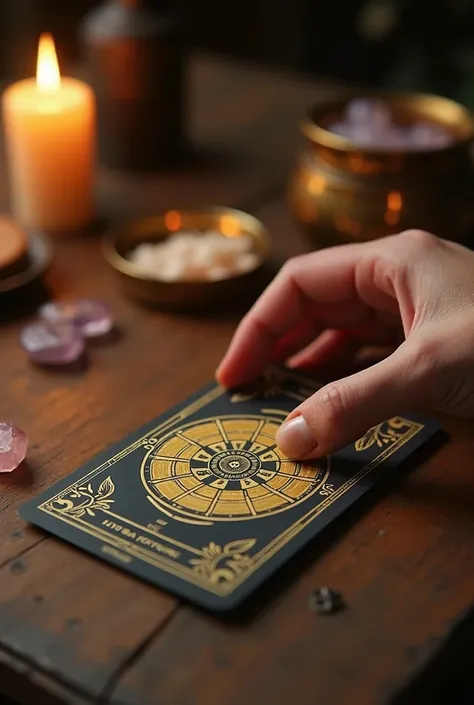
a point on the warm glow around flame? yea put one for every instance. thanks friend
(173, 221)
(48, 78)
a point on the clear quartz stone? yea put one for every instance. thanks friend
(50, 343)
(93, 318)
(13, 446)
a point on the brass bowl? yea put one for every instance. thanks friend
(186, 295)
(340, 192)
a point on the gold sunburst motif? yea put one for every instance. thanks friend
(227, 469)
(383, 434)
(224, 564)
(85, 500)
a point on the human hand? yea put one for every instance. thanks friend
(412, 288)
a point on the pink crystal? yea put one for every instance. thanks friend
(13, 446)
(52, 343)
(92, 317)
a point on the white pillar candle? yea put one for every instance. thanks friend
(49, 139)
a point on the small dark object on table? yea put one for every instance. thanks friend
(326, 601)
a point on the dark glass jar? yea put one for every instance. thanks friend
(135, 57)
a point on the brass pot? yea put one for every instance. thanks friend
(340, 192)
(187, 295)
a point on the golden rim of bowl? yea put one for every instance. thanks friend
(248, 225)
(452, 115)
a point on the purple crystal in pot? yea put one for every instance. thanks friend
(13, 446)
(426, 135)
(369, 123)
(92, 317)
(50, 343)
(373, 114)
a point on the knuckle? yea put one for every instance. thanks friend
(419, 240)
(291, 266)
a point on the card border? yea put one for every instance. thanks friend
(125, 549)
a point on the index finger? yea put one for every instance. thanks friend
(325, 278)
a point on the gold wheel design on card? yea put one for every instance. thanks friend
(227, 468)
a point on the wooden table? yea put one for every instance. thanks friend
(75, 630)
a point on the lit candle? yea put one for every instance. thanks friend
(49, 138)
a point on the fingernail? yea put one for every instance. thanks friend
(294, 438)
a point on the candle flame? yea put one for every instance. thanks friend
(48, 77)
(173, 221)
(394, 201)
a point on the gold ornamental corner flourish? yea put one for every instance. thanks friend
(85, 500)
(383, 434)
(224, 564)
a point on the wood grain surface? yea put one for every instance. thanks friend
(74, 630)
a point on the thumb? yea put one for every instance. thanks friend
(341, 412)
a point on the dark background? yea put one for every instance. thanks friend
(413, 44)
